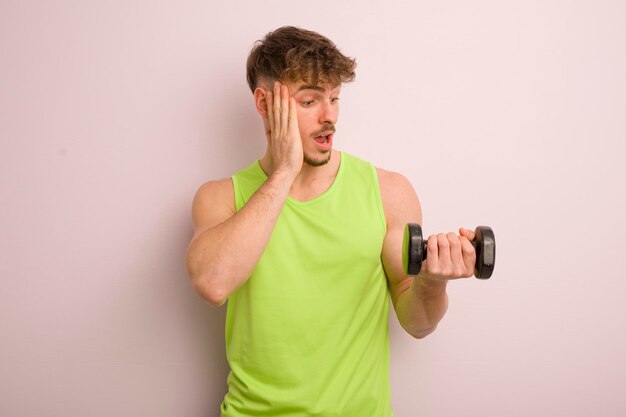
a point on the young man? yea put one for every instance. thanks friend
(306, 246)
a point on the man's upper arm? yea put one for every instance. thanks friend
(401, 206)
(213, 204)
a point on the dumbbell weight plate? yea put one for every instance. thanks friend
(412, 249)
(485, 245)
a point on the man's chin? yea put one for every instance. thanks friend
(317, 162)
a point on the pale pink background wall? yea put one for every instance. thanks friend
(510, 114)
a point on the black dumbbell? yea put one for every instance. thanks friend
(414, 250)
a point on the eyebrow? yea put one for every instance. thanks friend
(312, 87)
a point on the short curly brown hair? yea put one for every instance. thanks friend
(291, 54)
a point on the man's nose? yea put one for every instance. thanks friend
(328, 113)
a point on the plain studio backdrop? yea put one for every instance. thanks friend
(510, 114)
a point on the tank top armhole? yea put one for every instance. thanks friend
(379, 200)
(236, 193)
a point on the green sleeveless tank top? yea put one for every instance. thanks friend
(307, 335)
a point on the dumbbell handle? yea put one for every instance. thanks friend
(474, 243)
(415, 250)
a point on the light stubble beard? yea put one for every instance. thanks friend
(317, 162)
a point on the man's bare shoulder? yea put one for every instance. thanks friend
(397, 194)
(393, 185)
(216, 188)
(213, 203)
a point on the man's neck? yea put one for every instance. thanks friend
(311, 179)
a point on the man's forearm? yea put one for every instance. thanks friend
(421, 306)
(222, 258)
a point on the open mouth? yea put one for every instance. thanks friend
(324, 139)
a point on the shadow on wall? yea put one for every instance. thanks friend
(183, 333)
(191, 332)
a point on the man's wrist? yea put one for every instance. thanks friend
(284, 174)
(430, 287)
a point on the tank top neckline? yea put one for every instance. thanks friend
(321, 197)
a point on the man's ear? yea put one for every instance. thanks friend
(260, 101)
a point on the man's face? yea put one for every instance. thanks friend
(318, 111)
